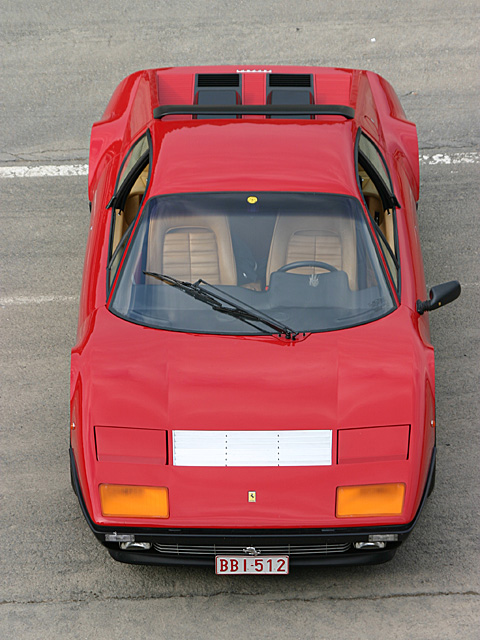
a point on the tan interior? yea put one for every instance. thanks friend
(324, 239)
(125, 218)
(189, 247)
(384, 217)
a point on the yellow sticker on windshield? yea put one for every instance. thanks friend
(252, 199)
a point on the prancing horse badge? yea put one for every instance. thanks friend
(252, 496)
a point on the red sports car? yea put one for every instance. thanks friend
(253, 380)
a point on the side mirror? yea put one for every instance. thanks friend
(440, 295)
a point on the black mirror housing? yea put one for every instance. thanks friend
(440, 295)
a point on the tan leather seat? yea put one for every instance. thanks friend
(132, 204)
(383, 216)
(189, 247)
(135, 196)
(328, 239)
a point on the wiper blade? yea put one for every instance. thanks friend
(239, 305)
(237, 309)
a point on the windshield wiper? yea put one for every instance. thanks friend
(241, 311)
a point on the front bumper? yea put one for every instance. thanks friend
(306, 547)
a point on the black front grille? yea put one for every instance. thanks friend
(290, 80)
(287, 549)
(218, 80)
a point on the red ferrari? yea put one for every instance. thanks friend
(253, 383)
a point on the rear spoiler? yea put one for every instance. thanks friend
(254, 110)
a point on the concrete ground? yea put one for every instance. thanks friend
(61, 62)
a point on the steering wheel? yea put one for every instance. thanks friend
(307, 263)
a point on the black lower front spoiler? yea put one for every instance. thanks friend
(251, 538)
(358, 558)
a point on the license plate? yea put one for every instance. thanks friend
(241, 564)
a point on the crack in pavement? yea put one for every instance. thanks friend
(96, 598)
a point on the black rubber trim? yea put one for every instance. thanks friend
(249, 536)
(255, 110)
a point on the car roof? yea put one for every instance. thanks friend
(263, 155)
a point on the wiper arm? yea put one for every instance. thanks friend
(242, 311)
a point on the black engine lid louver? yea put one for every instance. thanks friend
(216, 80)
(290, 80)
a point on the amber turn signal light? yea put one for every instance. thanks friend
(370, 500)
(131, 501)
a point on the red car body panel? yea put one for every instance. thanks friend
(336, 380)
(367, 377)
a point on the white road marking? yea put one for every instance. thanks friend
(65, 170)
(19, 300)
(44, 171)
(451, 158)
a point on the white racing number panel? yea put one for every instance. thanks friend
(298, 448)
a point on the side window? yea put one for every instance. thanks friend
(390, 259)
(131, 185)
(138, 150)
(379, 199)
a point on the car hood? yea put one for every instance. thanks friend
(136, 376)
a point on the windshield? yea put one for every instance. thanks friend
(305, 260)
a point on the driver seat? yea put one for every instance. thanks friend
(323, 238)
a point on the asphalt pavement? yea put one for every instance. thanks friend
(61, 63)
